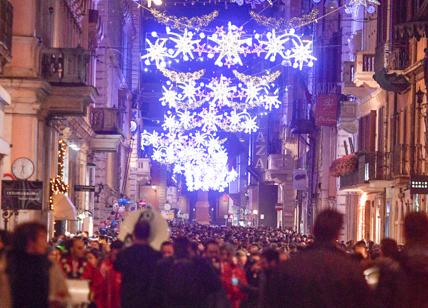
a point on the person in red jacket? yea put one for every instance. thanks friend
(109, 289)
(233, 276)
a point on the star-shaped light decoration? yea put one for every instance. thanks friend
(221, 91)
(249, 124)
(229, 45)
(353, 6)
(156, 52)
(302, 53)
(184, 44)
(275, 45)
(169, 97)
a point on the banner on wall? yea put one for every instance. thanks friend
(326, 109)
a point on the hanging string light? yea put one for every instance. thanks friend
(182, 23)
(284, 23)
(257, 80)
(181, 77)
(57, 184)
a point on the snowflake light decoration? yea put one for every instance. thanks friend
(353, 6)
(156, 52)
(228, 47)
(201, 158)
(220, 92)
(184, 44)
(198, 110)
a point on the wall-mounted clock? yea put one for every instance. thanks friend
(23, 168)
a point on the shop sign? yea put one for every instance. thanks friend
(326, 110)
(22, 195)
(89, 188)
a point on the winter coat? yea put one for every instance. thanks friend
(57, 293)
(319, 277)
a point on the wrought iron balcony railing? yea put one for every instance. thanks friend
(65, 66)
(106, 121)
(372, 166)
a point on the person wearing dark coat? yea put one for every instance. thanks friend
(185, 281)
(320, 276)
(137, 265)
(414, 259)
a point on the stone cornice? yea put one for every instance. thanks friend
(27, 95)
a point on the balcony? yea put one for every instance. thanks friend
(302, 121)
(65, 66)
(106, 124)
(398, 60)
(364, 69)
(67, 71)
(279, 168)
(106, 121)
(6, 19)
(372, 175)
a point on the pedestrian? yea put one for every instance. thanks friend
(74, 263)
(167, 249)
(321, 275)
(109, 290)
(28, 279)
(137, 265)
(415, 258)
(185, 281)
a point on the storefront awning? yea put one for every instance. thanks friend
(63, 208)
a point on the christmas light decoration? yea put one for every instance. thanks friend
(200, 108)
(228, 47)
(57, 185)
(257, 80)
(183, 23)
(353, 6)
(253, 92)
(284, 23)
(201, 158)
(181, 77)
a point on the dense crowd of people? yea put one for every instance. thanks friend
(217, 266)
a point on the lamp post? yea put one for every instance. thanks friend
(7, 214)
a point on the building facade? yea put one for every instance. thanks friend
(70, 86)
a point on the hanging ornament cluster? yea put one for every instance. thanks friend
(228, 47)
(279, 23)
(353, 6)
(182, 23)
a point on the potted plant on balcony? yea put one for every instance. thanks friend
(344, 165)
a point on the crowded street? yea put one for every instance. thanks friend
(213, 153)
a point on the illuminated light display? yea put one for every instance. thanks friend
(227, 47)
(200, 107)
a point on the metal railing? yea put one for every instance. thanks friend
(65, 66)
(6, 19)
(372, 166)
(106, 121)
